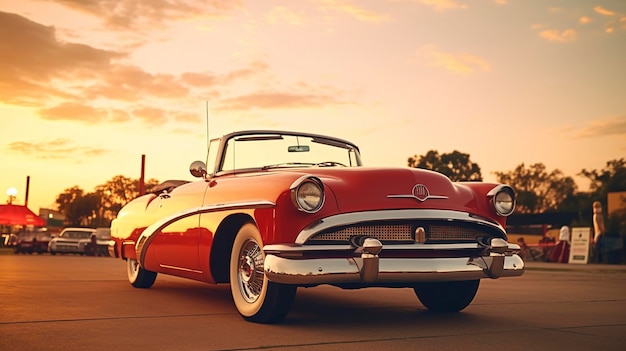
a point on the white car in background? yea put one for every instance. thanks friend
(71, 240)
(98, 242)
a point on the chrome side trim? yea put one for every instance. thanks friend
(345, 219)
(180, 268)
(149, 233)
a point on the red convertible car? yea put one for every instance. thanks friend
(273, 211)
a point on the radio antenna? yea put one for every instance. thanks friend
(208, 139)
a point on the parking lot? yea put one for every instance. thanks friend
(71, 302)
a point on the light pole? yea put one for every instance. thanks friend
(11, 193)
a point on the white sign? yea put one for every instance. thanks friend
(579, 249)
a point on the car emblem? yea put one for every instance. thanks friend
(420, 193)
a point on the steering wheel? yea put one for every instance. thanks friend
(330, 164)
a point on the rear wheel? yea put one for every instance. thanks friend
(446, 297)
(257, 299)
(137, 276)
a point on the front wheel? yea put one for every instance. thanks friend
(137, 276)
(257, 299)
(446, 297)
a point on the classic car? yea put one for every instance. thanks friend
(71, 240)
(275, 210)
(98, 242)
(31, 242)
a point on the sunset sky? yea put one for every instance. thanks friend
(87, 87)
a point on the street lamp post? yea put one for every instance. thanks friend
(11, 193)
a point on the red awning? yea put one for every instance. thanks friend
(19, 215)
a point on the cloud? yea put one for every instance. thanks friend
(54, 149)
(604, 127)
(198, 79)
(354, 11)
(64, 81)
(462, 63)
(139, 15)
(444, 5)
(601, 10)
(33, 58)
(566, 36)
(130, 83)
(151, 115)
(254, 69)
(72, 111)
(614, 22)
(76, 83)
(598, 19)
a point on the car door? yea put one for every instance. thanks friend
(176, 245)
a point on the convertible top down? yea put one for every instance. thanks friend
(272, 211)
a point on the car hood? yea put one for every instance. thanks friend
(359, 189)
(353, 189)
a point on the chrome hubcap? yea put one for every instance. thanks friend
(133, 269)
(250, 271)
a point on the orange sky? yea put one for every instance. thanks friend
(86, 88)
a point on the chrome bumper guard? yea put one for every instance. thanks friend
(287, 265)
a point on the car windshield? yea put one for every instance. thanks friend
(75, 234)
(267, 151)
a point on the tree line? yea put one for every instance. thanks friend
(538, 190)
(99, 207)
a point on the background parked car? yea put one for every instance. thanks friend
(71, 240)
(31, 242)
(98, 242)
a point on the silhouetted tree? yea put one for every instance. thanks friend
(79, 208)
(537, 190)
(117, 192)
(456, 165)
(610, 179)
(67, 204)
(99, 208)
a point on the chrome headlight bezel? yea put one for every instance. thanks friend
(502, 200)
(307, 194)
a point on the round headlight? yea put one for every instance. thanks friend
(504, 202)
(308, 196)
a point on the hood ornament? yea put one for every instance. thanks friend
(420, 193)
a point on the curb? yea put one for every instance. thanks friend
(591, 267)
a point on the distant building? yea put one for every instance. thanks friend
(54, 219)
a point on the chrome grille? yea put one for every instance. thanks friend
(403, 232)
(386, 232)
(451, 233)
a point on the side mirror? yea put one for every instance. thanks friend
(198, 169)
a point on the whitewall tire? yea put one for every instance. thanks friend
(137, 276)
(256, 298)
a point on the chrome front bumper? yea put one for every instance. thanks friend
(284, 265)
